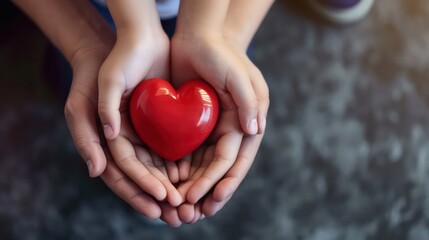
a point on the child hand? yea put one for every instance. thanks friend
(225, 188)
(210, 57)
(132, 59)
(204, 168)
(231, 151)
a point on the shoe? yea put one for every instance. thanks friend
(342, 11)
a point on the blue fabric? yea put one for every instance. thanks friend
(105, 13)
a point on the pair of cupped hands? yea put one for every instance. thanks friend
(96, 111)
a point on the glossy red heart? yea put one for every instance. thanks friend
(173, 123)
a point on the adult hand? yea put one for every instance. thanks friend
(201, 164)
(81, 105)
(81, 116)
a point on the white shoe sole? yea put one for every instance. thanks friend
(343, 16)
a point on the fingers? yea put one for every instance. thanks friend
(224, 190)
(184, 166)
(262, 93)
(126, 189)
(173, 196)
(225, 155)
(172, 171)
(198, 213)
(125, 157)
(232, 179)
(156, 167)
(127, 65)
(81, 119)
(190, 213)
(111, 88)
(243, 94)
(170, 215)
(200, 160)
(186, 212)
(210, 206)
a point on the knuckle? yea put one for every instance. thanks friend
(251, 104)
(210, 211)
(104, 74)
(130, 159)
(265, 91)
(222, 160)
(256, 72)
(81, 146)
(70, 108)
(109, 78)
(264, 96)
(265, 101)
(103, 109)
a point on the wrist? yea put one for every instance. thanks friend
(138, 31)
(201, 17)
(137, 36)
(90, 51)
(157, 40)
(237, 41)
(135, 17)
(196, 30)
(196, 36)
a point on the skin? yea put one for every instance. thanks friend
(140, 52)
(242, 21)
(86, 44)
(218, 55)
(107, 67)
(201, 22)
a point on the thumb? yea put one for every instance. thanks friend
(83, 128)
(110, 91)
(243, 94)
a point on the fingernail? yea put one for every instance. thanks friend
(202, 217)
(108, 131)
(90, 167)
(253, 126)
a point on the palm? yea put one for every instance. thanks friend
(123, 70)
(213, 159)
(223, 161)
(145, 168)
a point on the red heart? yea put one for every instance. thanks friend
(173, 123)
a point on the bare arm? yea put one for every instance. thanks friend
(222, 48)
(85, 39)
(72, 26)
(243, 19)
(202, 16)
(141, 52)
(134, 17)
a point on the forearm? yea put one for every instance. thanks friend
(243, 20)
(71, 25)
(135, 18)
(202, 16)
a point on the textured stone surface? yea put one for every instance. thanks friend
(345, 157)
